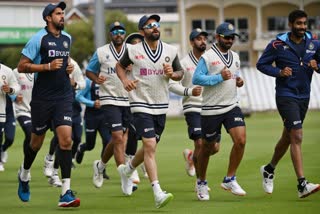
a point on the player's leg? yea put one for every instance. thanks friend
(9, 133)
(40, 115)
(62, 120)
(235, 125)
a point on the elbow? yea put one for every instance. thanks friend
(20, 68)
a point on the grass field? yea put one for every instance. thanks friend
(263, 130)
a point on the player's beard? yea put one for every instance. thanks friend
(201, 48)
(59, 25)
(153, 36)
(297, 32)
(224, 46)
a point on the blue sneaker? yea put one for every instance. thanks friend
(69, 200)
(23, 189)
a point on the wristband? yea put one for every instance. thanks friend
(49, 66)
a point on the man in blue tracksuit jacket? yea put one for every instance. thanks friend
(295, 56)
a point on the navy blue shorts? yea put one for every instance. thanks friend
(45, 114)
(193, 120)
(148, 126)
(10, 126)
(211, 125)
(117, 117)
(292, 111)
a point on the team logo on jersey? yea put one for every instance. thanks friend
(52, 44)
(65, 44)
(310, 48)
(149, 71)
(139, 57)
(285, 47)
(4, 77)
(167, 59)
(107, 57)
(237, 64)
(51, 53)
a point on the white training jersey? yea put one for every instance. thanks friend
(152, 94)
(77, 76)
(222, 97)
(7, 77)
(184, 87)
(111, 92)
(25, 80)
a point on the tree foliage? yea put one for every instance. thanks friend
(82, 33)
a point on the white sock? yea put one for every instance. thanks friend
(49, 157)
(65, 185)
(55, 171)
(101, 166)
(24, 174)
(156, 187)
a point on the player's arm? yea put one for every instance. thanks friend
(265, 62)
(82, 95)
(201, 77)
(93, 68)
(26, 65)
(177, 69)
(121, 70)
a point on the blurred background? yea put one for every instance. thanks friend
(257, 22)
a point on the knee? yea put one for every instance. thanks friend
(65, 143)
(240, 142)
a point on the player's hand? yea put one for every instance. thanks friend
(196, 91)
(5, 87)
(19, 98)
(313, 64)
(168, 70)
(97, 104)
(56, 64)
(239, 82)
(70, 68)
(130, 85)
(286, 72)
(225, 73)
(100, 80)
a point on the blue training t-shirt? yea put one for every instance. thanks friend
(43, 48)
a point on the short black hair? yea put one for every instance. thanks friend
(296, 14)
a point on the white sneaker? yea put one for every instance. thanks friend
(4, 157)
(1, 167)
(48, 167)
(267, 180)
(191, 171)
(126, 182)
(55, 181)
(196, 187)
(97, 178)
(162, 199)
(144, 171)
(135, 177)
(307, 189)
(202, 192)
(233, 186)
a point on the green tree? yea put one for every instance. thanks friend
(82, 33)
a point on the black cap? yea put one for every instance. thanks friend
(145, 18)
(133, 36)
(51, 7)
(196, 32)
(116, 25)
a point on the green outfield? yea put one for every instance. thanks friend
(263, 130)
